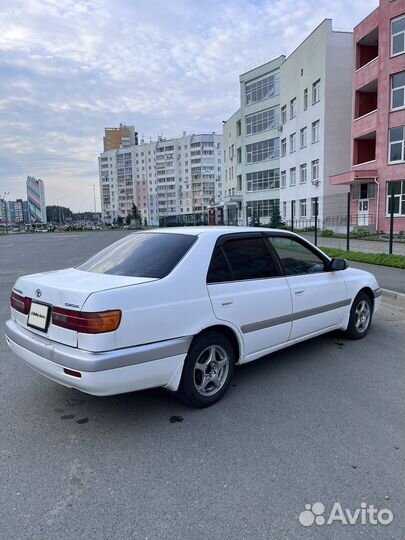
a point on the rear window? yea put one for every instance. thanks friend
(152, 255)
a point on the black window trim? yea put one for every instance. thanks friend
(266, 234)
(304, 243)
(221, 240)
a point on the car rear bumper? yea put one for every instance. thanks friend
(104, 373)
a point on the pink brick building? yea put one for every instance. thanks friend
(378, 127)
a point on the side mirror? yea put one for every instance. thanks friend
(337, 264)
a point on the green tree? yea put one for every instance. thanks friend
(276, 219)
(128, 219)
(119, 221)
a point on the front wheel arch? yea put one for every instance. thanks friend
(353, 329)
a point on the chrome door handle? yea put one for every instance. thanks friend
(299, 292)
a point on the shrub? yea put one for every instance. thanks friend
(327, 233)
(359, 233)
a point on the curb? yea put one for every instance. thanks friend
(394, 296)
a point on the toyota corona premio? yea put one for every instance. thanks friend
(180, 308)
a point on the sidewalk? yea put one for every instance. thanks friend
(366, 246)
(392, 279)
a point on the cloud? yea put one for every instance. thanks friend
(68, 68)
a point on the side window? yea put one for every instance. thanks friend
(219, 269)
(250, 258)
(242, 258)
(296, 258)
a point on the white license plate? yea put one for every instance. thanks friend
(38, 316)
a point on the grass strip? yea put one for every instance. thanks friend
(381, 259)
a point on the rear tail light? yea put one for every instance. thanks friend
(20, 303)
(86, 323)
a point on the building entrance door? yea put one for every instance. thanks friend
(363, 212)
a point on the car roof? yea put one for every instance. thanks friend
(211, 230)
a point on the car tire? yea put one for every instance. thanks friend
(208, 370)
(361, 314)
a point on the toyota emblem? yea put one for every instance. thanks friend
(38, 293)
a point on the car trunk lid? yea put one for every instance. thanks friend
(66, 289)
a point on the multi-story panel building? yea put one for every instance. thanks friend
(252, 147)
(117, 171)
(4, 212)
(120, 137)
(36, 200)
(18, 211)
(164, 179)
(378, 121)
(315, 126)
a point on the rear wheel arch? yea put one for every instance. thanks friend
(229, 333)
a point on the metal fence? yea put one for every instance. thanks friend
(336, 222)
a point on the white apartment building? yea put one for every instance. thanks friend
(252, 148)
(125, 174)
(168, 180)
(315, 97)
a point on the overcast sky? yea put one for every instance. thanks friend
(68, 68)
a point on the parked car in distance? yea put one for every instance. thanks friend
(178, 308)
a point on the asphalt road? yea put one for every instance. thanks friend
(319, 422)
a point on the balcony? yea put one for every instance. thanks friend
(364, 149)
(367, 49)
(366, 99)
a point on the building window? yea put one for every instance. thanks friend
(398, 197)
(398, 36)
(264, 208)
(305, 99)
(293, 176)
(303, 173)
(263, 150)
(238, 128)
(283, 179)
(315, 131)
(398, 91)
(262, 180)
(283, 147)
(292, 142)
(316, 91)
(397, 145)
(293, 108)
(315, 170)
(262, 121)
(303, 208)
(284, 114)
(303, 137)
(262, 89)
(284, 209)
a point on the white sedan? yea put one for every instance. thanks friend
(179, 308)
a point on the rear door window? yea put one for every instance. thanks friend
(240, 259)
(152, 255)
